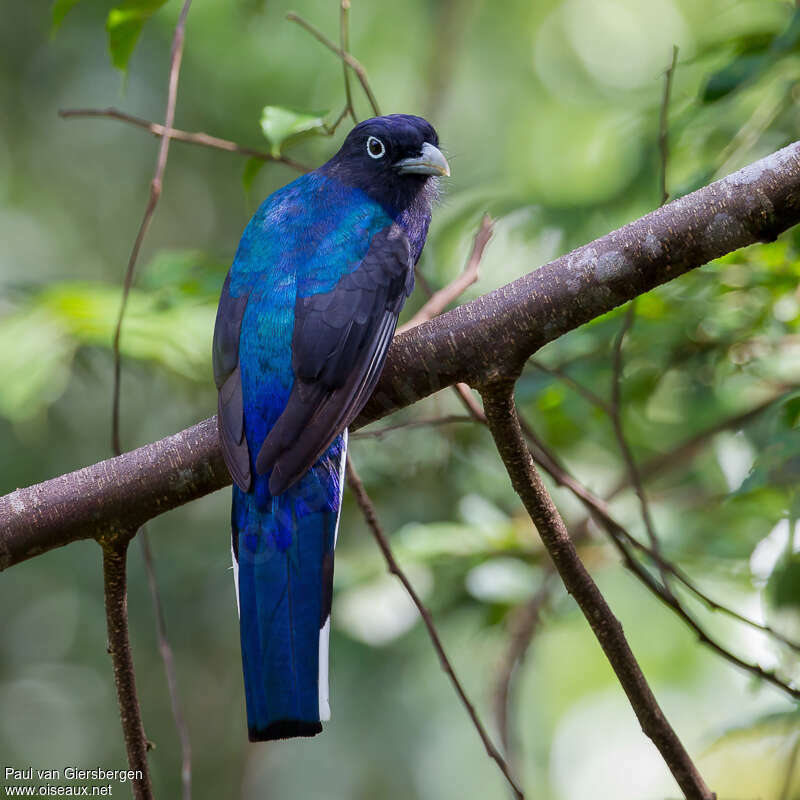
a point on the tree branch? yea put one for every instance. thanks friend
(439, 301)
(523, 626)
(155, 193)
(349, 59)
(508, 436)
(371, 517)
(115, 550)
(201, 139)
(622, 539)
(494, 334)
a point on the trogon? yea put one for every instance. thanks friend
(305, 318)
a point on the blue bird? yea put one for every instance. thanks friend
(307, 312)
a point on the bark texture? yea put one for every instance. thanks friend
(476, 343)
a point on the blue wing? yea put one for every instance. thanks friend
(339, 345)
(305, 318)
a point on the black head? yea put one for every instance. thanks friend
(391, 158)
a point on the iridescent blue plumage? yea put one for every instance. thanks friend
(305, 318)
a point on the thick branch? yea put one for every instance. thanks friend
(504, 425)
(491, 335)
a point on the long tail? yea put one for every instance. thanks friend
(283, 567)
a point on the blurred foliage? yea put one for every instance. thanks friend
(548, 112)
(281, 124)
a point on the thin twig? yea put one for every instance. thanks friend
(156, 183)
(439, 301)
(348, 58)
(622, 540)
(344, 42)
(331, 129)
(115, 590)
(689, 447)
(523, 626)
(470, 403)
(582, 390)
(616, 420)
(169, 666)
(504, 426)
(155, 194)
(630, 315)
(616, 378)
(663, 124)
(379, 433)
(708, 601)
(201, 139)
(371, 518)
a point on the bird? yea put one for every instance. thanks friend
(306, 315)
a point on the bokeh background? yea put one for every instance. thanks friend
(548, 112)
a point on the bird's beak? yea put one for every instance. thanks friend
(429, 162)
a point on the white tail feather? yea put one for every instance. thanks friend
(325, 630)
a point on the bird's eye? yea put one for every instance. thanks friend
(375, 147)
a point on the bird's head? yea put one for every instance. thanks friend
(391, 158)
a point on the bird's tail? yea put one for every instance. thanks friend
(283, 565)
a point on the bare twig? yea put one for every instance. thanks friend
(331, 129)
(663, 124)
(616, 379)
(201, 139)
(690, 446)
(348, 58)
(164, 646)
(379, 433)
(615, 408)
(582, 390)
(508, 436)
(623, 541)
(155, 194)
(523, 626)
(439, 301)
(115, 588)
(169, 666)
(470, 403)
(619, 536)
(344, 42)
(616, 420)
(371, 518)
(708, 601)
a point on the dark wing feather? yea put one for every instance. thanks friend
(339, 345)
(230, 409)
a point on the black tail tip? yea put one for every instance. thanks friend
(284, 729)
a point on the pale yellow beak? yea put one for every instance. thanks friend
(429, 162)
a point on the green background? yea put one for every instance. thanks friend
(548, 113)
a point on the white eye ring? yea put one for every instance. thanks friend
(375, 147)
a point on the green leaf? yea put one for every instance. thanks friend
(60, 10)
(124, 24)
(279, 124)
(251, 169)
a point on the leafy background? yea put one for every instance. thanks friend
(549, 114)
